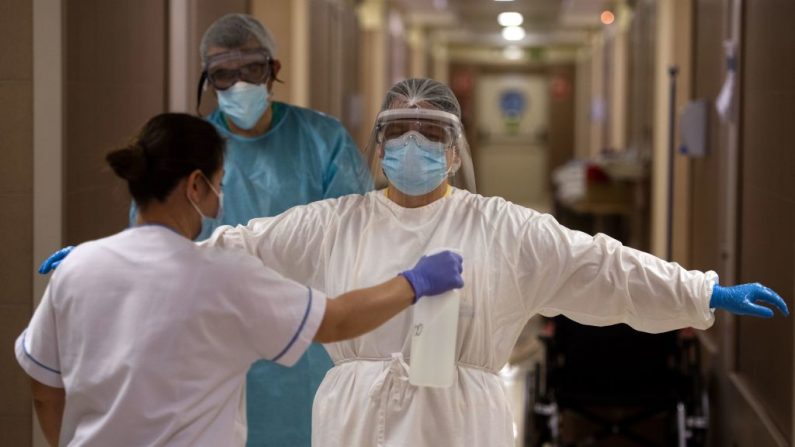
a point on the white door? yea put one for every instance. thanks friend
(512, 121)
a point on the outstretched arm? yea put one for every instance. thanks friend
(598, 281)
(360, 311)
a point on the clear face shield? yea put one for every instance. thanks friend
(416, 150)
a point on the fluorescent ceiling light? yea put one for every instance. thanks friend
(513, 33)
(510, 19)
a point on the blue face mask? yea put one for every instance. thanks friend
(244, 103)
(413, 164)
(210, 222)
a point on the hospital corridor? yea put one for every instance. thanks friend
(397, 223)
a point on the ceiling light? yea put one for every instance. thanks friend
(513, 33)
(510, 19)
(503, 0)
(512, 53)
(607, 17)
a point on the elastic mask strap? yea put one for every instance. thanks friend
(199, 91)
(452, 170)
(212, 188)
(196, 207)
(271, 72)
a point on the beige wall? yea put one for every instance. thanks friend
(582, 106)
(373, 48)
(664, 52)
(767, 198)
(562, 116)
(673, 49)
(683, 58)
(706, 204)
(750, 361)
(618, 85)
(115, 81)
(333, 68)
(16, 203)
(419, 52)
(597, 107)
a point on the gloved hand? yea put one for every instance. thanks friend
(54, 260)
(436, 274)
(741, 300)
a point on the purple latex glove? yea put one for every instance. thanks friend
(436, 274)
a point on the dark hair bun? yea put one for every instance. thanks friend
(167, 149)
(128, 163)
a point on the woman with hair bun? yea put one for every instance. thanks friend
(145, 338)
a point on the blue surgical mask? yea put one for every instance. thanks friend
(413, 164)
(207, 221)
(244, 103)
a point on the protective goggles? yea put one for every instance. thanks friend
(223, 70)
(435, 125)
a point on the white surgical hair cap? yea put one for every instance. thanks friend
(421, 93)
(233, 31)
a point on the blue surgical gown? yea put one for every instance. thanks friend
(304, 157)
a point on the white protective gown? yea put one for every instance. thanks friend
(517, 263)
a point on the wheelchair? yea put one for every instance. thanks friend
(617, 383)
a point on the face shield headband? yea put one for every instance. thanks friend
(436, 125)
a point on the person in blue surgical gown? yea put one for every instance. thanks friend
(278, 156)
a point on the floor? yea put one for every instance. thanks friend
(526, 354)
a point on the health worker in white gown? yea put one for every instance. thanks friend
(519, 263)
(144, 339)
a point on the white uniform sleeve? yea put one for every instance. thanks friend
(598, 281)
(289, 243)
(278, 317)
(37, 347)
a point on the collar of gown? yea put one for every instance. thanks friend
(383, 198)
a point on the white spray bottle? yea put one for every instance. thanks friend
(433, 340)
